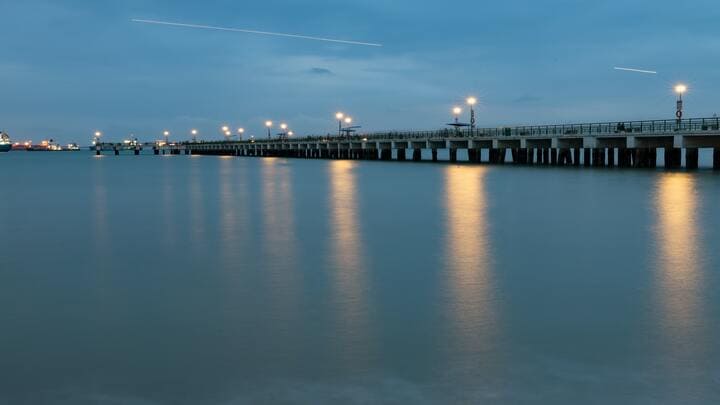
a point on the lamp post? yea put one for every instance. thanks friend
(269, 125)
(194, 133)
(348, 121)
(456, 112)
(241, 131)
(166, 134)
(471, 101)
(680, 89)
(283, 131)
(96, 139)
(339, 116)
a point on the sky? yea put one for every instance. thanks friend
(69, 68)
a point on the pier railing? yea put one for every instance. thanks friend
(620, 128)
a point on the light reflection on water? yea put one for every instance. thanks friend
(279, 244)
(347, 268)
(680, 266)
(467, 246)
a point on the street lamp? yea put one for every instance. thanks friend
(269, 125)
(194, 133)
(680, 89)
(456, 112)
(166, 134)
(339, 116)
(241, 131)
(96, 139)
(291, 133)
(471, 101)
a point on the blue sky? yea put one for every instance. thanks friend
(68, 68)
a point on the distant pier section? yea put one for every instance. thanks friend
(618, 144)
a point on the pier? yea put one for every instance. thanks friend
(633, 144)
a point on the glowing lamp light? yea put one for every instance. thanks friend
(457, 110)
(283, 126)
(339, 116)
(471, 101)
(291, 133)
(268, 124)
(225, 128)
(348, 120)
(166, 133)
(98, 134)
(241, 130)
(680, 89)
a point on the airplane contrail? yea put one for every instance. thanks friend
(652, 72)
(277, 34)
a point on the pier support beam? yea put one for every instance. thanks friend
(472, 155)
(453, 155)
(434, 155)
(553, 156)
(611, 157)
(522, 156)
(417, 155)
(586, 157)
(401, 155)
(716, 158)
(673, 158)
(691, 158)
(546, 156)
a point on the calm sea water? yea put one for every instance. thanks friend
(206, 280)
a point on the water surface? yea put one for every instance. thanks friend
(207, 280)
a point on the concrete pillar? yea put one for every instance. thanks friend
(553, 156)
(546, 156)
(514, 155)
(434, 155)
(716, 158)
(472, 155)
(640, 158)
(453, 155)
(652, 158)
(673, 158)
(576, 156)
(586, 157)
(522, 156)
(401, 154)
(691, 158)
(117, 152)
(417, 155)
(530, 158)
(611, 157)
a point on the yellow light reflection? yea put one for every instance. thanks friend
(349, 271)
(280, 244)
(231, 208)
(470, 289)
(679, 264)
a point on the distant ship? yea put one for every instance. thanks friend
(5, 144)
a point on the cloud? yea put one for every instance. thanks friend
(527, 99)
(321, 71)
